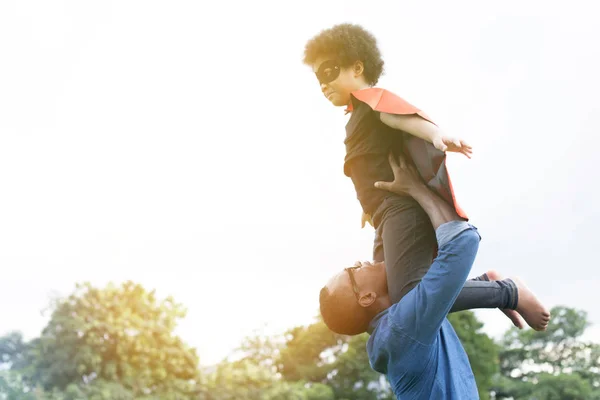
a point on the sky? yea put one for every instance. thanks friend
(183, 145)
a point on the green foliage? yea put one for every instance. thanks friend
(327, 365)
(555, 364)
(300, 359)
(351, 375)
(12, 387)
(117, 343)
(315, 356)
(562, 387)
(119, 338)
(246, 379)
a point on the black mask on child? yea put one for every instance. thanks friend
(328, 71)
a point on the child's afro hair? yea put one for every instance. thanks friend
(347, 43)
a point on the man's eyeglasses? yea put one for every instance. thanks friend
(350, 272)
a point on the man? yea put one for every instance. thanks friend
(411, 341)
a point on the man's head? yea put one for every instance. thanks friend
(345, 58)
(353, 297)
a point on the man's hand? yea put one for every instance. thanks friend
(445, 143)
(406, 177)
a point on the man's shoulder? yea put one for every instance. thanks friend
(390, 325)
(399, 356)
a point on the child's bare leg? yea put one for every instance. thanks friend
(513, 315)
(528, 306)
(533, 311)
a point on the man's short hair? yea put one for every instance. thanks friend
(341, 312)
(348, 43)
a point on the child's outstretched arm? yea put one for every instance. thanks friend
(421, 128)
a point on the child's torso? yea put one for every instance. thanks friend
(368, 143)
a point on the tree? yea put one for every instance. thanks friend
(116, 341)
(13, 388)
(562, 387)
(314, 355)
(302, 356)
(555, 364)
(351, 375)
(246, 379)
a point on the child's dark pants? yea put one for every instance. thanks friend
(406, 241)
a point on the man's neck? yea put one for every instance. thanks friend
(381, 304)
(375, 312)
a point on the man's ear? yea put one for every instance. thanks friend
(365, 300)
(359, 68)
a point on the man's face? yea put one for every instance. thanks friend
(368, 278)
(336, 82)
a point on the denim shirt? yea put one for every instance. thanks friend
(413, 343)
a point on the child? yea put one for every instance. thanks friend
(348, 64)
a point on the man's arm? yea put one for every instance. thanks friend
(421, 128)
(407, 181)
(421, 312)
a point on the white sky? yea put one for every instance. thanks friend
(184, 146)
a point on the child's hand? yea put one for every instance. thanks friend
(445, 143)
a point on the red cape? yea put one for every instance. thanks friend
(429, 161)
